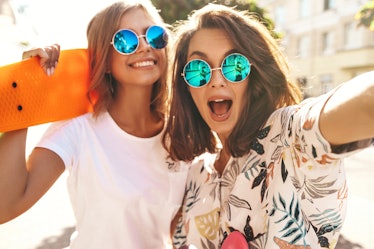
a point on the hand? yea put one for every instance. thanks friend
(48, 57)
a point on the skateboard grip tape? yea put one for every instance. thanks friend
(29, 97)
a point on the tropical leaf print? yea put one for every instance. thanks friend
(258, 243)
(284, 171)
(261, 180)
(277, 153)
(308, 124)
(294, 228)
(327, 221)
(235, 201)
(326, 159)
(207, 244)
(251, 167)
(179, 238)
(256, 145)
(239, 203)
(285, 245)
(289, 126)
(317, 188)
(249, 234)
(208, 224)
(192, 193)
(248, 230)
(230, 174)
(343, 194)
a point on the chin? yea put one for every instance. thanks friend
(220, 131)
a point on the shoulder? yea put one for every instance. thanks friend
(73, 124)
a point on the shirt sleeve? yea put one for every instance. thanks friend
(314, 168)
(302, 131)
(62, 138)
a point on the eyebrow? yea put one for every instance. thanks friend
(203, 55)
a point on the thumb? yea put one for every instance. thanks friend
(40, 52)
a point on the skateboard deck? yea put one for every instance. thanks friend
(29, 97)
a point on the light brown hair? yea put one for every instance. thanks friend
(187, 135)
(99, 35)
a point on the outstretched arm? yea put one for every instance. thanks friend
(348, 116)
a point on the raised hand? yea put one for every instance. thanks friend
(48, 57)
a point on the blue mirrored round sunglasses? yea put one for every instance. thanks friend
(126, 41)
(235, 68)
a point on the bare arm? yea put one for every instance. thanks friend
(23, 183)
(349, 114)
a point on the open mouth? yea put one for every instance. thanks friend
(220, 107)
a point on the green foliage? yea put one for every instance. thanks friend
(365, 16)
(175, 10)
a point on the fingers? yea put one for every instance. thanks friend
(48, 57)
(49, 63)
(34, 52)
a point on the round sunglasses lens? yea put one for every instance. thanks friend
(236, 67)
(197, 73)
(157, 37)
(125, 41)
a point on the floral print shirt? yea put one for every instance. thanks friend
(289, 191)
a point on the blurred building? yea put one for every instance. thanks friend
(16, 31)
(25, 24)
(322, 40)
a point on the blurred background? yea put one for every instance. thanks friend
(327, 42)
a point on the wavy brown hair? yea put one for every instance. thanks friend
(187, 135)
(99, 35)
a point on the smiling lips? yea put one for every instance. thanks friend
(144, 63)
(220, 108)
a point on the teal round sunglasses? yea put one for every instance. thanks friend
(235, 68)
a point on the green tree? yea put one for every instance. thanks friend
(175, 10)
(365, 16)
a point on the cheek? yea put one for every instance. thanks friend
(241, 93)
(198, 98)
(115, 62)
(162, 59)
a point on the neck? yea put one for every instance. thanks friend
(221, 162)
(132, 113)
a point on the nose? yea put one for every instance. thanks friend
(217, 79)
(143, 44)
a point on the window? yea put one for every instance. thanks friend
(327, 43)
(279, 16)
(351, 36)
(329, 4)
(304, 8)
(303, 47)
(326, 83)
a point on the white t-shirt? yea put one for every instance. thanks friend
(123, 189)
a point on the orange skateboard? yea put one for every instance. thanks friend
(29, 97)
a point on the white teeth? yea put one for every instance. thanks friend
(143, 64)
(218, 100)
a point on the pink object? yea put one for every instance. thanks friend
(235, 240)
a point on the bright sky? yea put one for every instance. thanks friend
(61, 21)
(45, 22)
